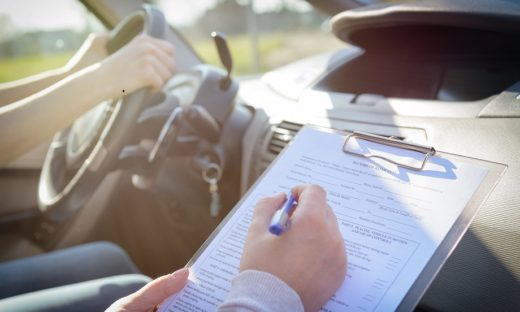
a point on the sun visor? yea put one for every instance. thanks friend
(394, 25)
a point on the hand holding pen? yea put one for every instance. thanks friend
(309, 256)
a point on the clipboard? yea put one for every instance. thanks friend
(453, 237)
(424, 153)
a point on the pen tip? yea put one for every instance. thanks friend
(275, 229)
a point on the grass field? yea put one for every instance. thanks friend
(276, 49)
(241, 51)
(16, 68)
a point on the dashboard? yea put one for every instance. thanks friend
(471, 109)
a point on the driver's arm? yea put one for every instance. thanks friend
(145, 61)
(92, 51)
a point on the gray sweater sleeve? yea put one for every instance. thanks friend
(259, 291)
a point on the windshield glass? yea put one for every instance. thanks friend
(40, 35)
(262, 35)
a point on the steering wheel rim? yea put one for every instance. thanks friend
(59, 199)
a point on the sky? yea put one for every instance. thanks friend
(184, 13)
(44, 14)
(59, 14)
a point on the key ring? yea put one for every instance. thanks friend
(212, 173)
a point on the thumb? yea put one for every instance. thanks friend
(266, 207)
(159, 289)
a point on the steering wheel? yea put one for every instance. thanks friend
(80, 156)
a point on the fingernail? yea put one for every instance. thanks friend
(181, 273)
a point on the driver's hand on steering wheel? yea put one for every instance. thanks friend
(89, 78)
(144, 62)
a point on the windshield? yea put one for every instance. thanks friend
(36, 36)
(262, 35)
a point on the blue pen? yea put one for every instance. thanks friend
(280, 220)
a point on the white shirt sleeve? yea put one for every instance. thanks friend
(259, 291)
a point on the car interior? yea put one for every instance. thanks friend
(138, 171)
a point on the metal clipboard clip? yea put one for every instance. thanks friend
(404, 154)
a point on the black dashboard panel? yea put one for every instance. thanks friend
(427, 62)
(439, 50)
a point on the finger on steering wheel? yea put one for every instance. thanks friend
(160, 74)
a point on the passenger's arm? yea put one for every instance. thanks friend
(145, 61)
(92, 51)
(259, 291)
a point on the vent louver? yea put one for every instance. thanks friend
(282, 135)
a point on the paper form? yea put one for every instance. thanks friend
(391, 219)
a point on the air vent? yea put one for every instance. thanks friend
(282, 135)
